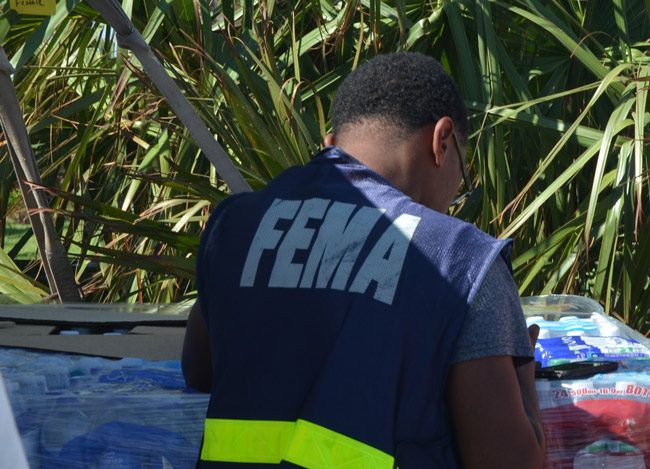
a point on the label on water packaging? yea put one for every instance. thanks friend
(557, 350)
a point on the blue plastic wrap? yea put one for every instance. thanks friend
(78, 412)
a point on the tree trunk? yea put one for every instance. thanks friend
(130, 38)
(60, 275)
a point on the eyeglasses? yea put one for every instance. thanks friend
(466, 179)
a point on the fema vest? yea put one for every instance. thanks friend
(333, 303)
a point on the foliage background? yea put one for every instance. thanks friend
(557, 92)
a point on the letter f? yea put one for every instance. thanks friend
(267, 237)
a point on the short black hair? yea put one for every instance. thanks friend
(404, 90)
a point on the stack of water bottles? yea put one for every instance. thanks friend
(601, 420)
(78, 412)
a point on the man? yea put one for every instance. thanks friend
(344, 320)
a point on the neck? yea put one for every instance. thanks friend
(400, 161)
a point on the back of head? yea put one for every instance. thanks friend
(402, 91)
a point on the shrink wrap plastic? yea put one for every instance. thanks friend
(79, 412)
(604, 420)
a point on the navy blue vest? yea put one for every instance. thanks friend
(334, 299)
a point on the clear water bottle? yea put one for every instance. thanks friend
(610, 454)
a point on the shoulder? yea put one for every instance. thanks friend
(461, 250)
(220, 211)
(495, 324)
(456, 230)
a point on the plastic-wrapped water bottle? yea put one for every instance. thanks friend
(606, 328)
(611, 454)
(60, 426)
(31, 384)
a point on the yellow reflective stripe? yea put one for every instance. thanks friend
(252, 441)
(303, 443)
(318, 447)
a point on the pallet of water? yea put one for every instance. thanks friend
(602, 420)
(77, 412)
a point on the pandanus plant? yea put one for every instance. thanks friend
(557, 94)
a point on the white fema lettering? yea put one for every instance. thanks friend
(339, 239)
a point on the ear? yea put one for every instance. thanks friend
(329, 140)
(442, 142)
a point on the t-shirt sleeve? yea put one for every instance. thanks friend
(495, 323)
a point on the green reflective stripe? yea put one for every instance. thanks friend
(318, 447)
(303, 443)
(259, 441)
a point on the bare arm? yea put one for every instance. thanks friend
(495, 413)
(197, 360)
